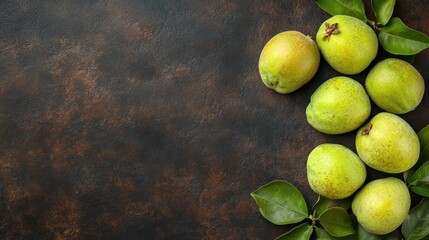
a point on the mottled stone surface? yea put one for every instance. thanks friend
(147, 119)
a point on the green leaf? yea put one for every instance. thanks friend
(418, 178)
(362, 234)
(336, 221)
(399, 39)
(424, 136)
(416, 224)
(421, 175)
(323, 203)
(383, 10)
(407, 174)
(424, 154)
(354, 8)
(421, 189)
(322, 234)
(301, 232)
(281, 203)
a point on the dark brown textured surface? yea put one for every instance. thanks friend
(148, 120)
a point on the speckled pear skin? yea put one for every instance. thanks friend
(382, 205)
(388, 144)
(288, 61)
(339, 105)
(395, 86)
(334, 171)
(352, 49)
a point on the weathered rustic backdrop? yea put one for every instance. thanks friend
(147, 119)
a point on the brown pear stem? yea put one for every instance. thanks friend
(314, 222)
(330, 30)
(367, 129)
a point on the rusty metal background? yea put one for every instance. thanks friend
(147, 119)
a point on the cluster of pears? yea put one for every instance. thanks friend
(341, 104)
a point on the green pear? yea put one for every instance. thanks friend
(382, 205)
(388, 144)
(288, 61)
(339, 105)
(348, 44)
(395, 86)
(334, 171)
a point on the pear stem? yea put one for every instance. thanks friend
(330, 30)
(367, 129)
(313, 221)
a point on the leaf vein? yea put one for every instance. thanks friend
(400, 37)
(289, 209)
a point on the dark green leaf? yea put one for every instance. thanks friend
(362, 234)
(424, 158)
(354, 8)
(407, 174)
(336, 221)
(399, 39)
(424, 136)
(421, 175)
(323, 203)
(301, 232)
(383, 10)
(421, 189)
(424, 153)
(424, 144)
(322, 234)
(416, 224)
(281, 203)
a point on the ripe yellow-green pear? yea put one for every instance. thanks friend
(288, 61)
(388, 143)
(339, 105)
(348, 44)
(334, 171)
(395, 86)
(382, 205)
